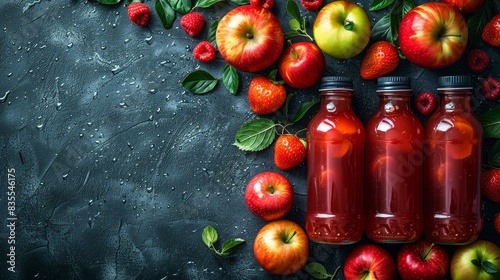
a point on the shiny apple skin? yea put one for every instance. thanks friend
(415, 261)
(333, 38)
(369, 262)
(433, 35)
(302, 65)
(276, 256)
(249, 38)
(462, 268)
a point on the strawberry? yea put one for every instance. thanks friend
(381, 59)
(490, 184)
(491, 32)
(425, 103)
(266, 4)
(289, 151)
(265, 94)
(477, 60)
(138, 13)
(192, 23)
(496, 223)
(204, 51)
(311, 5)
(491, 88)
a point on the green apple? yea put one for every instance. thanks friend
(342, 29)
(479, 260)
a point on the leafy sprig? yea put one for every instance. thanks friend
(210, 237)
(258, 134)
(297, 23)
(318, 271)
(386, 28)
(491, 123)
(477, 21)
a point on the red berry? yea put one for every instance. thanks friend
(289, 151)
(266, 4)
(192, 23)
(380, 59)
(138, 13)
(477, 60)
(490, 184)
(496, 223)
(311, 5)
(265, 95)
(204, 51)
(491, 32)
(491, 88)
(425, 103)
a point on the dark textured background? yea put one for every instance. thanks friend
(119, 169)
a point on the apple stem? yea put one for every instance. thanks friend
(349, 25)
(270, 189)
(290, 237)
(426, 254)
(294, 52)
(249, 36)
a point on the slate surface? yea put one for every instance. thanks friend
(118, 169)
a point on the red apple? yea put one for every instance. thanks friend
(422, 260)
(369, 262)
(250, 38)
(269, 195)
(433, 35)
(465, 6)
(302, 65)
(479, 261)
(281, 247)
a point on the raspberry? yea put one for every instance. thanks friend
(204, 51)
(491, 88)
(425, 102)
(477, 60)
(311, 5)
(266, 4)
(192, 23)
(138, 13)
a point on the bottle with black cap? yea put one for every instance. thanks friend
(393, 165)
(452, 167)
(335, 167)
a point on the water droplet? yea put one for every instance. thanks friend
(94, 96)
(4, 97)
(40, 126)
(149, 40)
(65, 176)
(70, 45)
(58, 106)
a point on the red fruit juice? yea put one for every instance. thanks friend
(335, 137)
(452, 170)
(394, 166)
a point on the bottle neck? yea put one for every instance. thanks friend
(394, 101)
(454, 100)
(334, 101)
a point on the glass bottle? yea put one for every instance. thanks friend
(452, 168)
(336, 138)
(394, 166)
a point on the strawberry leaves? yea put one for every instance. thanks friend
(201, 81)
(491, 123)
(477, 21)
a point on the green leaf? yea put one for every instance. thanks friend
(199, 82)
(293, 10)
(230, 79)
(211, 33)
(230, 244)
(477, 21)
(209, 236)
(377, 5)
(294, 24)
(317, 270)
(491, 123)
(165, 12)
(304, 107)
(489, 267)
(181, 6)
(206, 3)
(494, 154)
(382, 29)
(240, 2)
(255, 135)
(109, 2)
